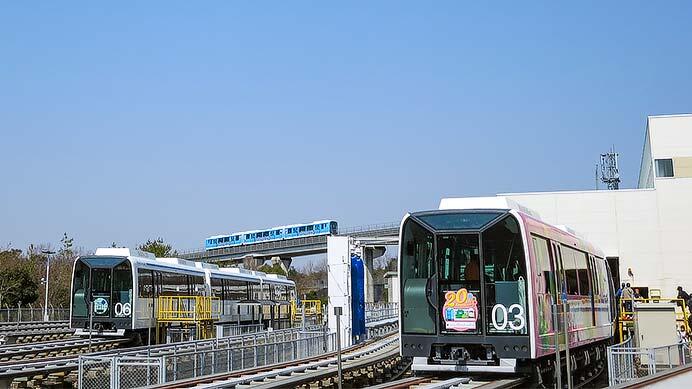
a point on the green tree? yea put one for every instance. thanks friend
(66, 243)
(272, 269)
(18, 286)
(159, 248)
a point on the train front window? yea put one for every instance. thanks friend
(505, 279)
(122, 290)
(460, 282)
(417, 267)
(80, 285)
(100, 291)
(459, 221)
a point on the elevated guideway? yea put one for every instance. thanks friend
(373, 234)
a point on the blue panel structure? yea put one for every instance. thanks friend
(357, 299)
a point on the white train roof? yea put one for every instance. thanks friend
(495, 202)
(148, 260)
(122, 252)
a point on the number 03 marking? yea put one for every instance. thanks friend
(518, 315)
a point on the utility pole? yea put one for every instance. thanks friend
(48, 253)
(337, 313)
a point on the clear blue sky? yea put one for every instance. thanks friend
(185, 119)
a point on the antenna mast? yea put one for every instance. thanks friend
(610, 173)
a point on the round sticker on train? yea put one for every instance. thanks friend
(100, 305)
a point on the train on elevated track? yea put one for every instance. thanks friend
(117, 290)
(319, 227)
(479, 281)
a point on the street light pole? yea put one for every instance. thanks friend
(45, 305)
(337, 313)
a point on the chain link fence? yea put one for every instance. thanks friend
(122, 372)
(198, 359)
(381, 311)
(199, 363)
(8, 314)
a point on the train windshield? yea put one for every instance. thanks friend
(105, 283)
(463, 273)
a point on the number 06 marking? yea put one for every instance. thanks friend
(519, 315)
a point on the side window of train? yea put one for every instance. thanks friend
(145, 283)
(576, 269)
(582, 273)
(545, 270)
(570, 270)
(595, 287)
(217, 288)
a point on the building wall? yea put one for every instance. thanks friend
(646, 172)
(649, 229)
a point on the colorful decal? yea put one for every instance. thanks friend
(460, 311)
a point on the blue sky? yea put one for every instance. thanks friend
(181, 120)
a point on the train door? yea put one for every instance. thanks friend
(459, 283)
(419, 287)
(614, 266)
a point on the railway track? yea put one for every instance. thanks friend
(11, 354)
(19, 365)
(430, 382)
(38, 361)
(14, 326)
(360, 363)
(31, 332)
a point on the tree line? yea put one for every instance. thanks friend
(22, 272)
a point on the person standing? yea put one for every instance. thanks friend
(627, 296)
(618, 293)
(682, 295)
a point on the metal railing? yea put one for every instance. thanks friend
(235, 330)
(391, 228)
(8, 314)
(369, 228)
(626, 363)
(187, 308)
(309, 311)
(259, 247)
(381, 311)
(626, 313)
(128, 371)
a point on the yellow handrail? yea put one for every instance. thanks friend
(307, 308)
(187, 308)
(627, 317)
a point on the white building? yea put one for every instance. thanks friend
(649, 228)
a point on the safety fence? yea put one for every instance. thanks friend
(307, 313)
(235, 330)
(626, 308)
(369, 228)
(626, 363)
(30, 313)
(381, 311)
(126, 371)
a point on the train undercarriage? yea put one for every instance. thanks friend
(587, 363)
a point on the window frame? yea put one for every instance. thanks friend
(657, 170)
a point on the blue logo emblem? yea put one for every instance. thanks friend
(100, 305)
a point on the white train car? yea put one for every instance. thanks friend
(116, 289)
